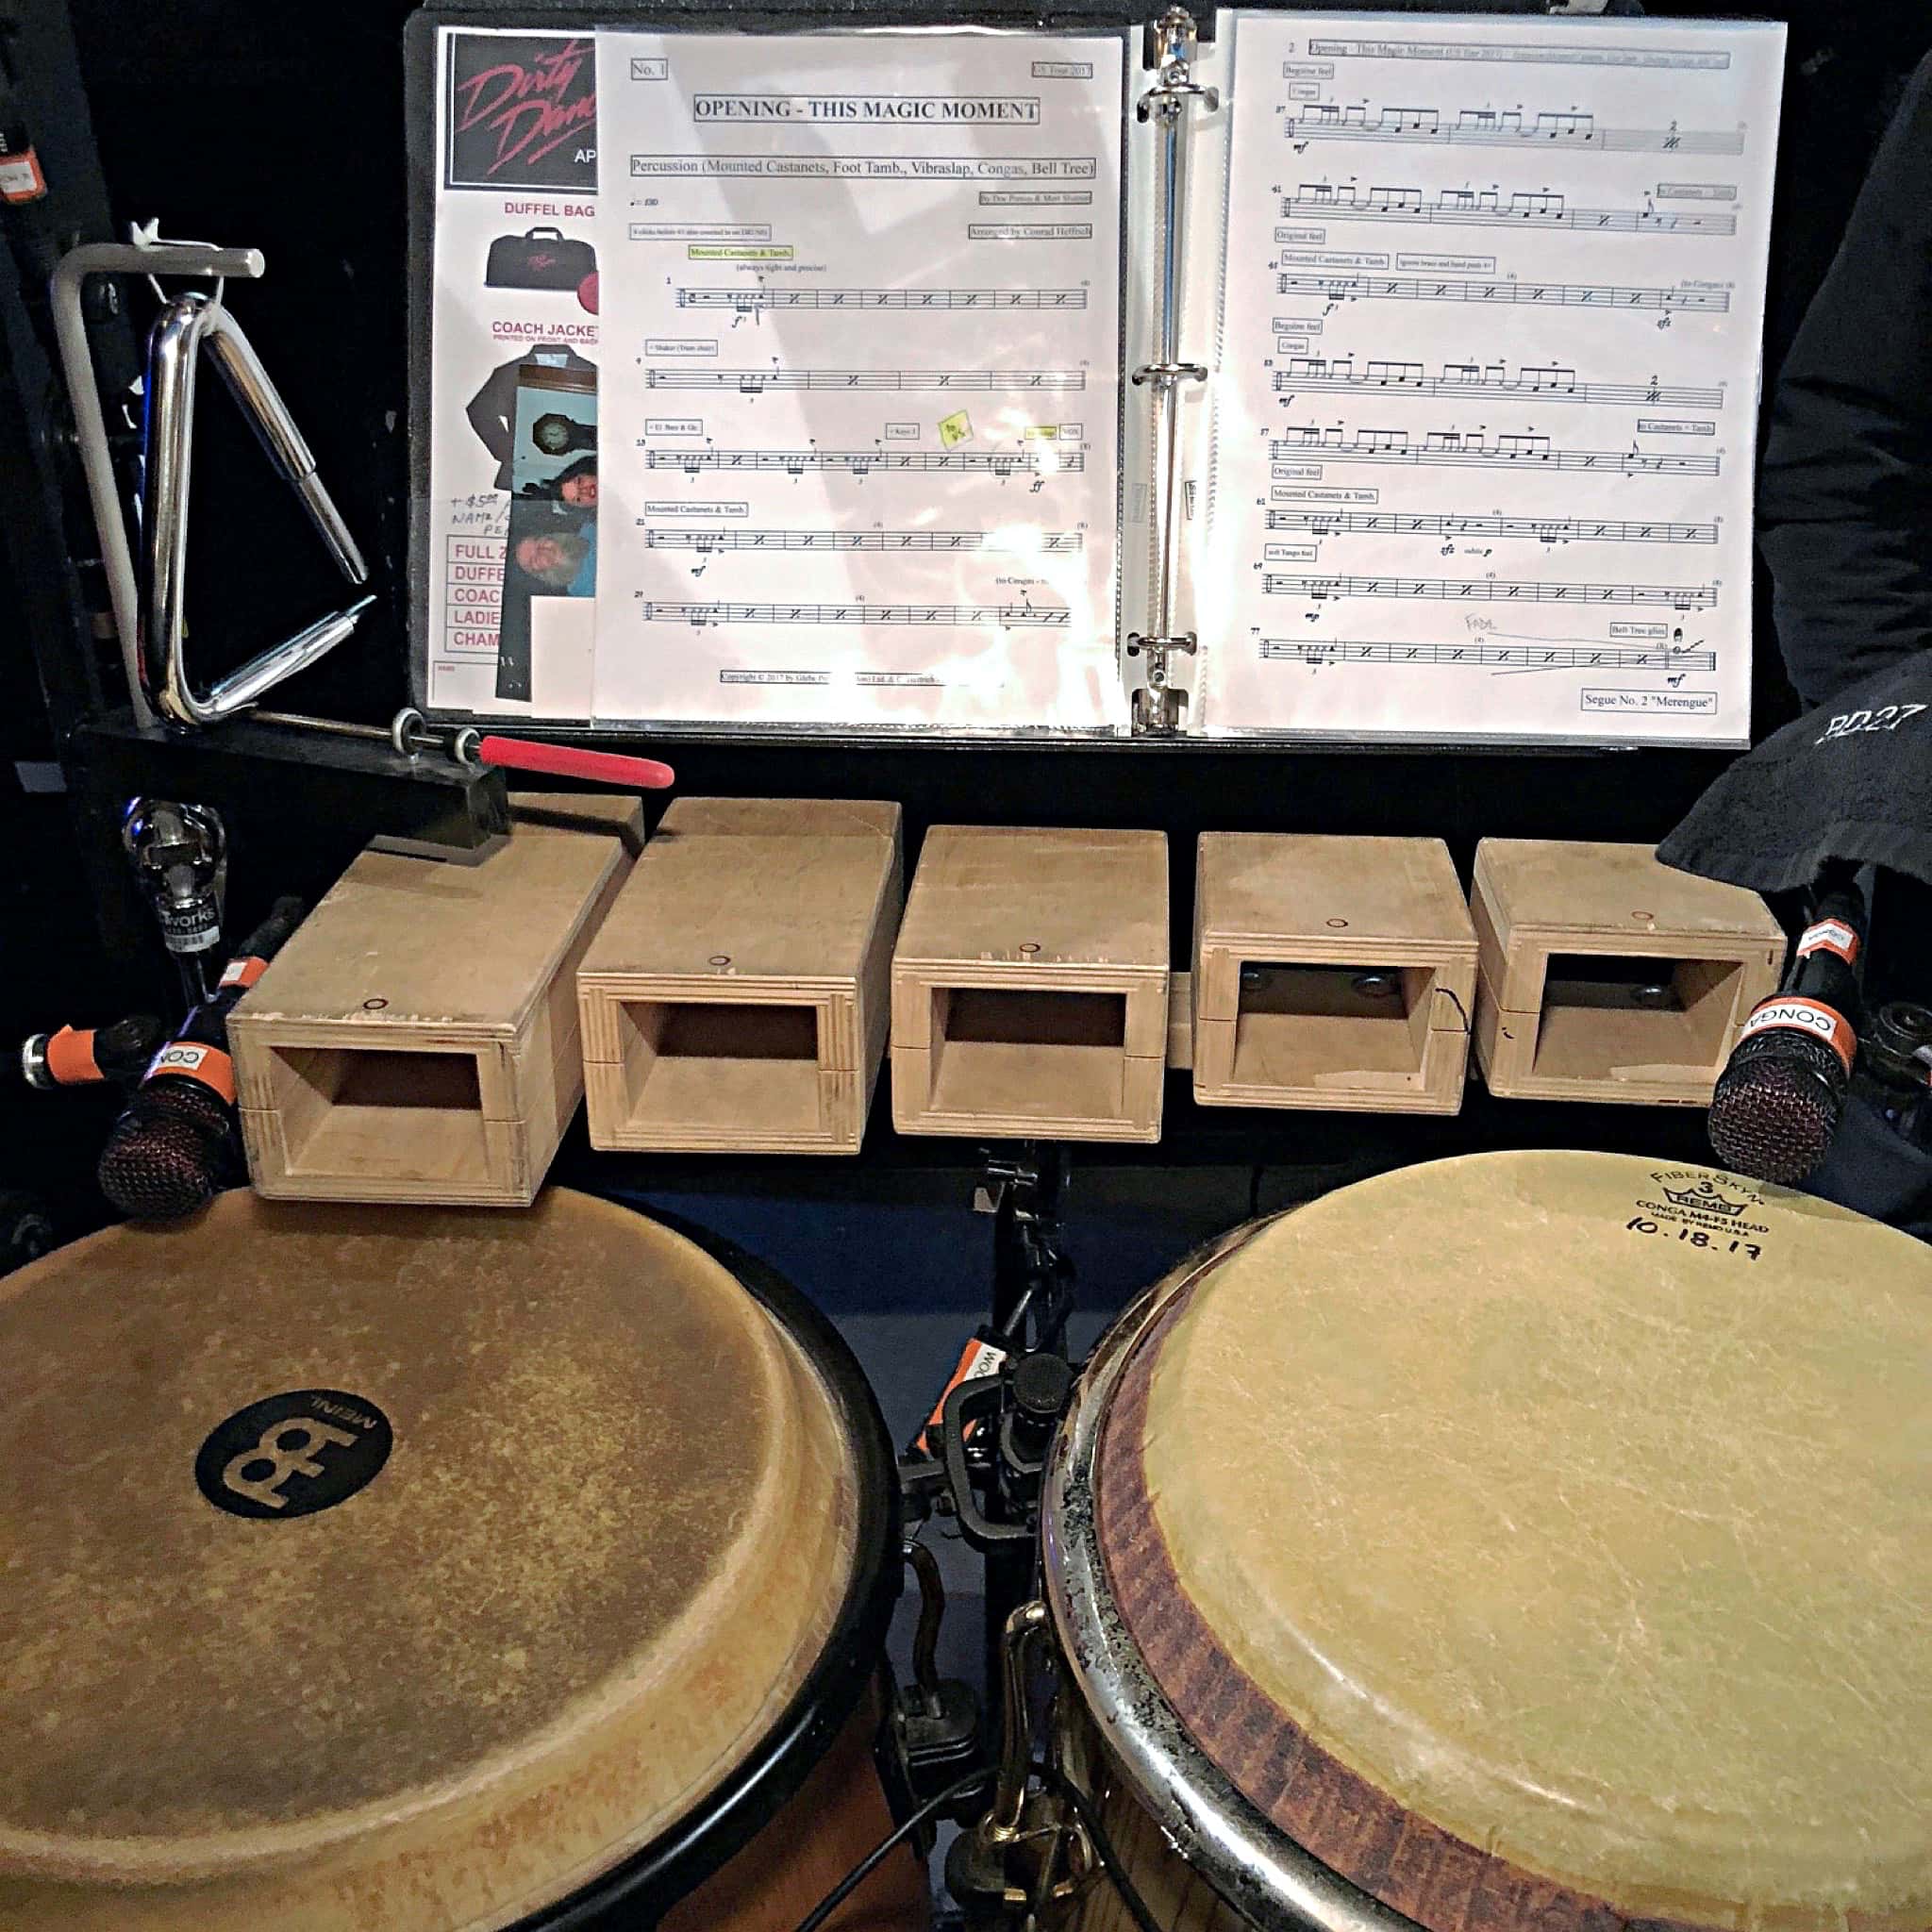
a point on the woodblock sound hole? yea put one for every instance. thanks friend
(721, 1064)
(1028, 1051)
(1605, 1013)
(375, 1113)
(1297, 1025)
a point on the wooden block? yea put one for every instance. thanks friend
(737, 996)
(1604, 975)
(1330, 973)
(1180, 1020)
(417, 1039)
(584, 812)
(1030, 985)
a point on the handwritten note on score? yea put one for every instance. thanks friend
(1486, 412)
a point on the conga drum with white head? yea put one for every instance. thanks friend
(1524, 1542)
(402, 1569)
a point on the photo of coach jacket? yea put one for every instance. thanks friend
(540, 258)
(492, 410)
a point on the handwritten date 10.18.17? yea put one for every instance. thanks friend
(1697, 1238)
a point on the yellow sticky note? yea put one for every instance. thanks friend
(956, 428)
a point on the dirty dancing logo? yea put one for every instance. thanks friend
(523, 111)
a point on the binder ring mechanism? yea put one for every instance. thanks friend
(1158, 704)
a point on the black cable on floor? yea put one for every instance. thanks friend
(1088, 1815)
(878, 1856)
(1084, 1809)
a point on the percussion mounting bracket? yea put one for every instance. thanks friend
(979, 1402)
(936, 1731)
(1033, 1277)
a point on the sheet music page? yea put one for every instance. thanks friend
(1486, 392)
(860, 401)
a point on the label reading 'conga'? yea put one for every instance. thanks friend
(295, 1454)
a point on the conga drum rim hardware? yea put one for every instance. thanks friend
(1031, 1845)
(1273, 1882)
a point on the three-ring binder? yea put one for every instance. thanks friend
(1158, 706)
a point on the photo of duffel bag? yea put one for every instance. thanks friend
(543, 259)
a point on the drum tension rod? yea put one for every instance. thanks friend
(1024, 1628)
(1030, 1853)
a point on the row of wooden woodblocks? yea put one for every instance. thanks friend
(743, 984)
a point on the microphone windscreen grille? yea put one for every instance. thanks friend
(1773, 1115)
(168, 1153)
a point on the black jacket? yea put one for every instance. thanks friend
(492, 410)
(1845, 498)
(1844, 521)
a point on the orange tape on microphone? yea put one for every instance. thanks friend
(188, 1060)
(1797, 1014)
(1829, 936)
(71, 1058)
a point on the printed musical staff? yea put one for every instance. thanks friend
(1007, 616)
(809, 396)
(1472, 380)
(1468, 207)
(1493, 590)
(1450, 447)
(1504, 127)
(1514, 294)
(755, 382)
(1353, 523)
(1478, 655)
(752, 301)
(1535, 294)
(1048, 461)
(1010, 542)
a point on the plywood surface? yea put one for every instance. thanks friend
(772, 893)
(1547, 1028)
(416, 1037)
(1342, 893)
(1284, 928)
(620, 814)
(737, 996)
(415, 942)
(1036, 899)
(1564, 886)
(1030, 985)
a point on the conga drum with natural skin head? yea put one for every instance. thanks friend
(1524, 1542)
(399, 1570)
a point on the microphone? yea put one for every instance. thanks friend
(177, 1139)
(180, 856)
(1777, 1103)
(86, 1056)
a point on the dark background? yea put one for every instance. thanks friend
(279, 126)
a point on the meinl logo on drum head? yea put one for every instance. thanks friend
(292, 1455)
